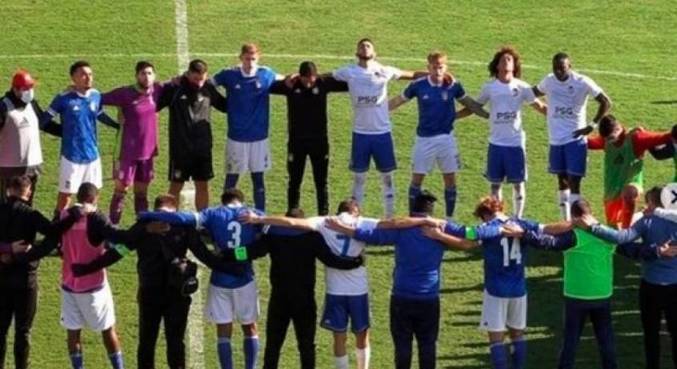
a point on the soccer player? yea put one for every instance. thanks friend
(230, 296)
(85, 301)
(19, 225)
(504, 306)
(307, 118)
(372, 131)
(20, 150)
(506, 157)
(658, 286)
(567, 92)
(248, 91)
(415, 301)
(138, 145)
(435, 141)
(79, 107)
(190, 132)
(623, 166)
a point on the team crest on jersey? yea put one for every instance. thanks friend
(297, 91)
(570, 89)
(425, 97)
(24, 122)
(316, 90)
(237, 86)
(76, 108)
(445, 96)
(258, 84)
(92, 106)
(515, 91)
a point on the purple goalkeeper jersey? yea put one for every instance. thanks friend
(140, 126)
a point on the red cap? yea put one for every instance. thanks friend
(22, 80)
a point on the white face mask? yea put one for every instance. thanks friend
(27, 96)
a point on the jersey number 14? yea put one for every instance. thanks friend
(511, 253)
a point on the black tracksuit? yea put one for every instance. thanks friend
(307, 116)
(18, 281)
(292, 296)
(158, 299)
(190, 131)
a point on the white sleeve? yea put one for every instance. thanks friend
(367, 223)
(593, 88)
(528, 94)
(342, 74)
(483, 98)
(315, 222)
(393, 73)
(543, 85)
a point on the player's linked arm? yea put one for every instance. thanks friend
(448, 240)
(298, 223)
(473, 106)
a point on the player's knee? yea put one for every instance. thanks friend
(249, 330)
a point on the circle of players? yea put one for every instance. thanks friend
(89, 241)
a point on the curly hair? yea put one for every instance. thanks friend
(488, 206)
(493, 65)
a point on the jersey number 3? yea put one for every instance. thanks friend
(511, 253)
(235, 229)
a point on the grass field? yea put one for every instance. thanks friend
(627, 47)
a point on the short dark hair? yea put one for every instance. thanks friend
(295, 213)
(87, 193)
(165, 201)
(493, 65)
(143, 64)
(347, 206)
(365, 39)
(19, 183)
(197, 66)
(250, 48)
(307, 69)
(231, 194)
(654, 196)
(77, 65)
(580, 207)
(607, 125)
(560, 56)
(424, 203)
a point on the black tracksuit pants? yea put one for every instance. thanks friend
(318, 151)
(156, 305)
(302, 312)
(18, 304)
(656, 301)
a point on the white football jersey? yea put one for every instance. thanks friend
(567, 104)
(506, 100)
(368, 88)
(351, 282)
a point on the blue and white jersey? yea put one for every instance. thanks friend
(504, 260)
(78, 114)
(436, 108)
(248, 101)
(228, 232)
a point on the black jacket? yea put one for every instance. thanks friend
(190, 130)
(18, 221)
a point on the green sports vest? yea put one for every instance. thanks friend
(621, 167)
(589, 267)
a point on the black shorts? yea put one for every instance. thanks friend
(197, 167)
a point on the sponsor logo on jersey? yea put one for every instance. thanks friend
(506, 116)
(367, 100)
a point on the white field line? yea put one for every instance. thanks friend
(195, 326)
(299, 57)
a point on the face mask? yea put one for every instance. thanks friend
(27, 96)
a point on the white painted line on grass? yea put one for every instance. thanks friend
(346, 58)
(195, 326)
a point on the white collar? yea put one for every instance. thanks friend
(252, 73)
